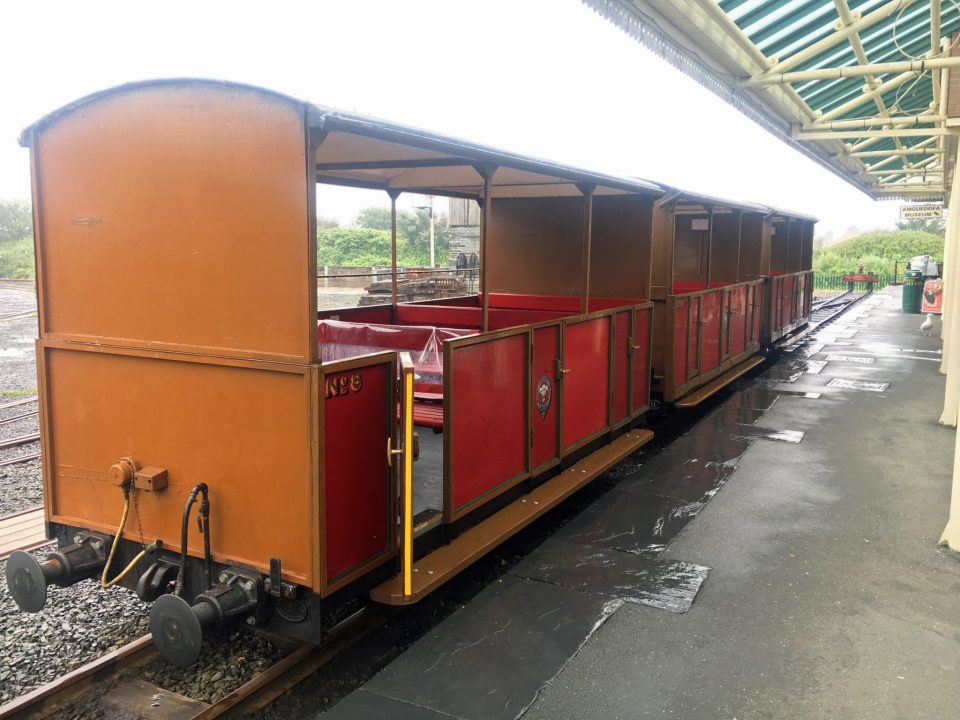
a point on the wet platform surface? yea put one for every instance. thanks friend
(779, 560)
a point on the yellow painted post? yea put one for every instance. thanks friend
(407, 370)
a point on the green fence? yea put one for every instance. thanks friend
(836, 282)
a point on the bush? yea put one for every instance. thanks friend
(16, 259)
(16, 220)
(876, 251)
(362, 247)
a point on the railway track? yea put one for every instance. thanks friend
(114, 679)
(18, 403)
(826, 310)
(27, 457)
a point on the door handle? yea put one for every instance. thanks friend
(391, 452)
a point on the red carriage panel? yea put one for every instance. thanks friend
(546, 355)
(640, 392)
(487, 418)
(621, 367)
(710, 337)
(357, 400)
(586, 378)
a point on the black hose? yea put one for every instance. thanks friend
(184, 526)
(204, 518)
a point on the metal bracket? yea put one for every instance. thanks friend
(275, 585)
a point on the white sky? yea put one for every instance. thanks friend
(539, 77)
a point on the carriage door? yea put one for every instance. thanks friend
(726, 312)
(357, 430)
(584, 379)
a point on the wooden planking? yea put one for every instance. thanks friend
(21, 531)
(433, 570)
(695, 398)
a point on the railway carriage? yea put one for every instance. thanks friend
(213, 441)
(788, 270)
(729, 280)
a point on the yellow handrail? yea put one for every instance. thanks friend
(406, 372)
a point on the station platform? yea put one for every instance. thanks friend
(779, 560)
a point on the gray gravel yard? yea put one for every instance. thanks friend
(20, 484)
(79, 622)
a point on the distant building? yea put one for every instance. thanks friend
(464, 224)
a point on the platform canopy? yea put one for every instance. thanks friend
(858, 85)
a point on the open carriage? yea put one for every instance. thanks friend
(182, 358)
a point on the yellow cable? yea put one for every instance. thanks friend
(113, 548)
(126, 570)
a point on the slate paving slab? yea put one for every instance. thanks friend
(366, 705)
(637, 523)
(665, 584)
(489, 660)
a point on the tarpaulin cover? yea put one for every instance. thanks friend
(339, 340)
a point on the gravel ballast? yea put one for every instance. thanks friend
(78, 624)
(22, 487)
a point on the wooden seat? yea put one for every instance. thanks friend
(428, 414)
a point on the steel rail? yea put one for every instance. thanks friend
(17, 403)
(42, 701)
(813, 324)
(256, 693)
(840, 310)
(22, 416)
(20, 459)
(828, 301)
(17, 441)
(18, 315)
(264, 688)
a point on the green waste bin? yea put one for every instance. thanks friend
(912, 290)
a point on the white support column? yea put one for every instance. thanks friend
(946, 315)
(951, 355)
(951, 313)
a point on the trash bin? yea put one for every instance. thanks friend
(912, 290)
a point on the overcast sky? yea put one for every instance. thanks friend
(539, 77)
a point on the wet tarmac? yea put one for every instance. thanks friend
(779, 559)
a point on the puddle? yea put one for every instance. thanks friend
(815, 366)
(863, 359)
(790, 436)
(858, 385)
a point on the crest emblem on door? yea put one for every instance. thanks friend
(544, 395)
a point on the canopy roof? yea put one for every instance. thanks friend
(854, 84)
(361, 151)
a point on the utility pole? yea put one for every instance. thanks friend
(429, 210)
(433, 260)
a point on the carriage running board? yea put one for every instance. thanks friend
(433, 570)
(715, 386)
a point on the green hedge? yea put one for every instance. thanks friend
(16, 259)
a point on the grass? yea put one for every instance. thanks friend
(16, 259)
(19, 393)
